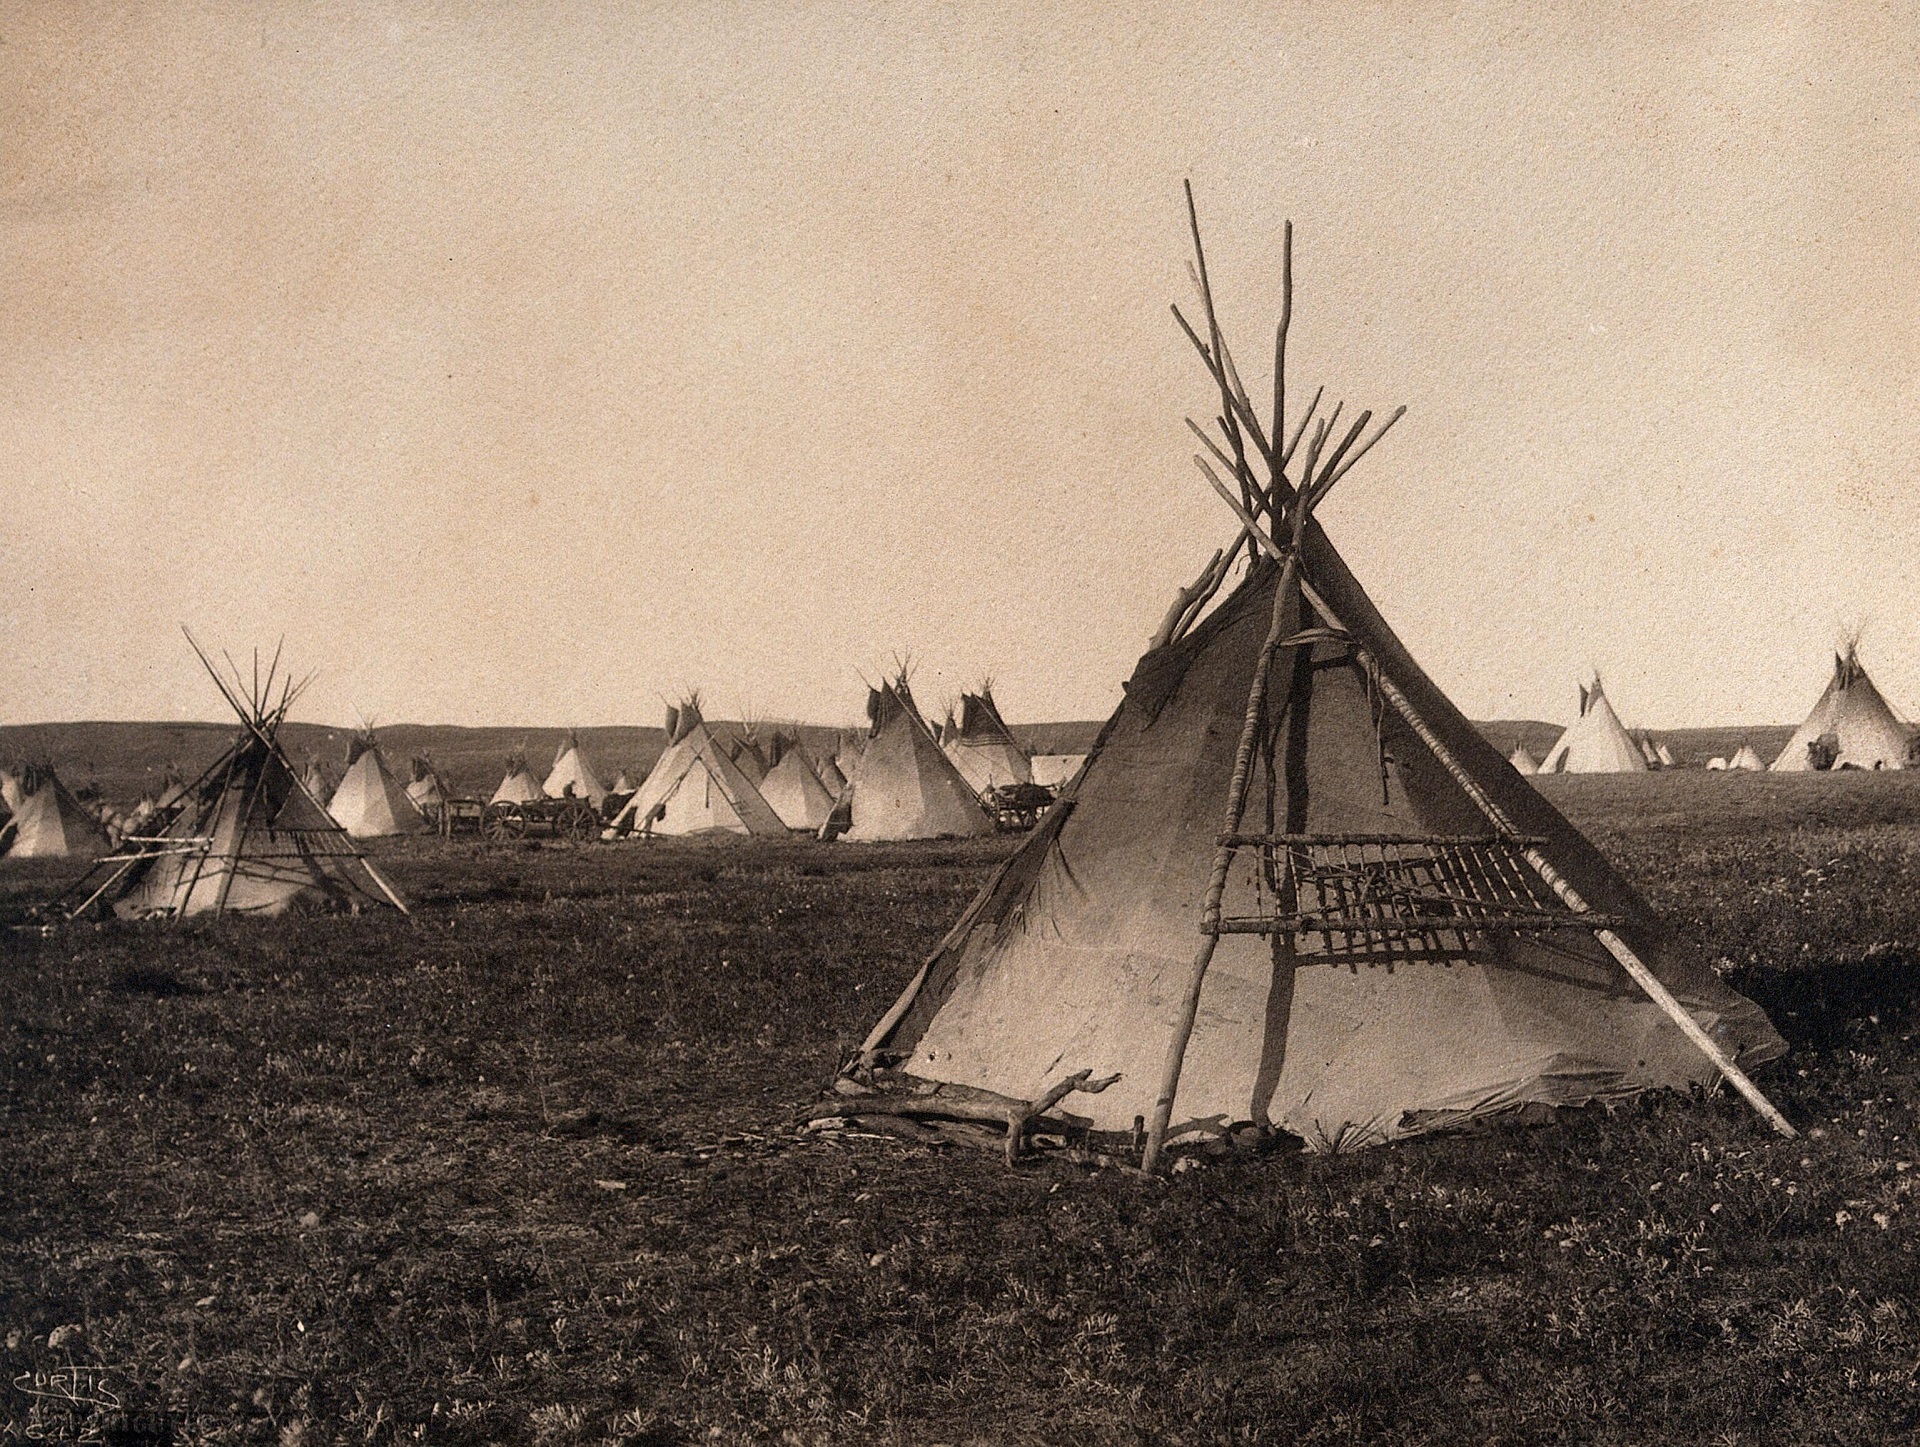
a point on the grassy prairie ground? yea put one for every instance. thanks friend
(518, 1169)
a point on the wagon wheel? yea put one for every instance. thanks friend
(503, 821)
(576, 822)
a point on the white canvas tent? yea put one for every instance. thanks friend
(1851, 726)
(1666, 756)
(1294, 887)
(244, 838)
(1596, 742)
(695, 787)
(313, 777)
(983, 748)
(1054, 770)
(904, 786)
(793, 791)
(831, 779)
(573, 775)
(47, 821)
(1522, 761)
(518, 785)
(371, 802)
(1748, 760)
(428, 791)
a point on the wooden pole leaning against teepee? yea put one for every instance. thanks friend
(1285, 598)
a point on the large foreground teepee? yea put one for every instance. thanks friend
(1851, 726)
(1596, 742)
(48, 822)
(695, 787)
(247, 837)
(904, 786)
(1294, 886)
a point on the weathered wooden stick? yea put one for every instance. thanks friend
(1020, 1118)
(1367, 446)
(1223, 858)
(1301, 431)
(1189, 600)
(1280, 346)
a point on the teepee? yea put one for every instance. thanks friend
(1522, 761)
(314, 777)
(1851, 726)
(695, 787)
(904, 786)
(247, 838)
(831, 779)
(428, 791)
(572, 774)
(519, 786)
(370, 801)
(1294, 887)
(983, 748)
(48, 821)
(793, 791)
(1747, 759)
(1596, 742)
(1666, 756)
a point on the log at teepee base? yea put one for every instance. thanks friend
(965, 1103)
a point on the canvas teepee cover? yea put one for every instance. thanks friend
(794, 792)
(983, 748)
(427, 790)
(571, 771)
(519, 785)
(370, 802)
(248, 838)
(1377, 944)
(314, 777)
(696, 787)
(831, 779)
(48, 822)
(1596, 742)
(1851, 724)
(904, 786)
(1522, 761)
(1747, 759)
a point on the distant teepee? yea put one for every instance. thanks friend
(519, 786)
(1522, 761)
(573, 776)
(1851, 726)
(983, 748)
(48, 821)
(428, 791)
(695, 787)
(370, 801)
(1596, 742)
(794, 791)
(904, 786)
(246, 837)
(1747, 759)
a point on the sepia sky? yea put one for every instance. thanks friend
(530, 363)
